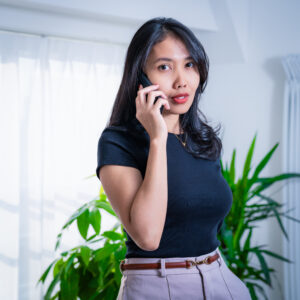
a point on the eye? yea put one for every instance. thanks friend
(159, 67)
(191, 63)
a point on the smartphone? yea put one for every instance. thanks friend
(144, 80)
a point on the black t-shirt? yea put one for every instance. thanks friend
(199, 198)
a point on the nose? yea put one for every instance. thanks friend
(180, 81)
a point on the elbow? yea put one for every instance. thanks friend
(150, 244)
(147, 240)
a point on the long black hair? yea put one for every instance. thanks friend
(201, 139)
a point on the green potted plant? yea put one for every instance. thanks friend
(88, 271)
(249, 207)
(91, 272)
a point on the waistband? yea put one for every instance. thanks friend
(164, 271)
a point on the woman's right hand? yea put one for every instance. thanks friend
(149, 114)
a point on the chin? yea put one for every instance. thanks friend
(181, 107)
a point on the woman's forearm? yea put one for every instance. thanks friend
(149, 207)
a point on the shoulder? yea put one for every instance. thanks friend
(114, 133)
(114, 136)
(117, 147)
(125, 136)
(129, 133)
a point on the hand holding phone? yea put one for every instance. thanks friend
(144, 81)
(154, 124)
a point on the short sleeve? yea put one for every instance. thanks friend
(115, 147)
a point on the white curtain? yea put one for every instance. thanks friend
(55, 99)
(291, 154)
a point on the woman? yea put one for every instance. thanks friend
(161, 172)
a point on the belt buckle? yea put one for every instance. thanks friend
(206, 260)
(193, 263)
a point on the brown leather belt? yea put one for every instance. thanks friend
(184, 264)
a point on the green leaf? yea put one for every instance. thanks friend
(78, 213)
(277, 256)
(52, 286)
(247, 242)
(91, 237)
(56, 296)
(69, 285)
(222, 168)
(95, 219)
(232, 168)
(252, 292)
(271, 201)
(74, 216)
(292, 218)
(83, 223)
(85, 253)
(248, 160)
(114, 236)
(268, 181)
(106, 206)
(96, 241)
(239, 232)
(101, 192)
(58, 240)
(260, 288)
(106, 251)
(65, 253)
(45, 274)
(69, 263)
(58, 266)
(263, 264)
(263, 163)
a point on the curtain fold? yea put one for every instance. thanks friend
(291, 163)
(55, 99)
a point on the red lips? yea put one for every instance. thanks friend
(181, 98)
(181, 95)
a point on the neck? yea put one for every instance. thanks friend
(172, 122)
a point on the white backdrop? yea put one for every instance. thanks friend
(55, 99)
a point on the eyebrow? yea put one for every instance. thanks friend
(169, 59)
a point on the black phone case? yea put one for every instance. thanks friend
(144, 80)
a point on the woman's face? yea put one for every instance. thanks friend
(169, 64)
